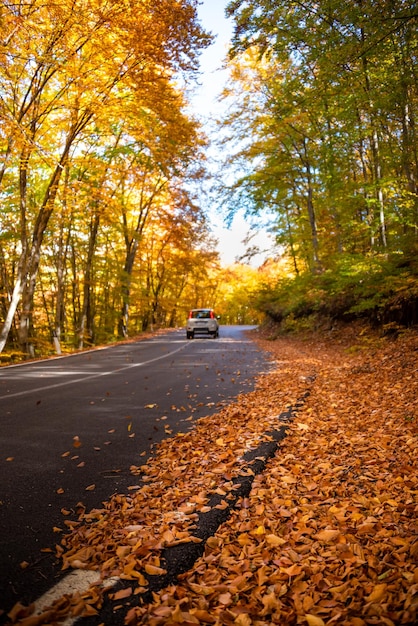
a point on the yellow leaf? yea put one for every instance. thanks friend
(91, 488)
(314, 620)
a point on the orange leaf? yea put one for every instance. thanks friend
(122, 593)
(314, 620)
(328, 535)
(153, 570)
(274, 540)
(378, 593)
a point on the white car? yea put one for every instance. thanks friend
(202, 321)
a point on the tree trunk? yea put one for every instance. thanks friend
(375, 149)
(32, 265)
(311, 209)
(28, 268)
(63, 246)
(86, 330)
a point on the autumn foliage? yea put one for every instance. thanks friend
(95, 140)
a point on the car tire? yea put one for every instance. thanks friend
(190, 335)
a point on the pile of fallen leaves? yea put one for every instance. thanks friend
(329, 531)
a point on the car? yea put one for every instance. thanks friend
(202, 321)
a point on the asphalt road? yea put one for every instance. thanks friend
(72, 427)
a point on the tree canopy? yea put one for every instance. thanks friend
(321, 128)
(101, 233)
(95, 144)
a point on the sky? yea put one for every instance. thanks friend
(212, 17)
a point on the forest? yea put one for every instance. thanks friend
(323, 136)
(103, 232)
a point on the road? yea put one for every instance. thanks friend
(71, 428)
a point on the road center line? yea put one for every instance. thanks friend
(90, 377)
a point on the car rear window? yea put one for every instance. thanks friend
(200, 315)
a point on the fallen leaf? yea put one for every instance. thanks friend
(328, 535)
(314, 620)
(121, 594)
(153, 570)
(378, 593)
(274, 540)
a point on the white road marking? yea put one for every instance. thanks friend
(78, 581)
(91, 376)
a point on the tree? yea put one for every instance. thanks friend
(58, 80)
(321, 143)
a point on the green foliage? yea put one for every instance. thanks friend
(323, 100)
(382, 290)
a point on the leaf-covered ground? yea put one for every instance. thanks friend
(329, 531)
